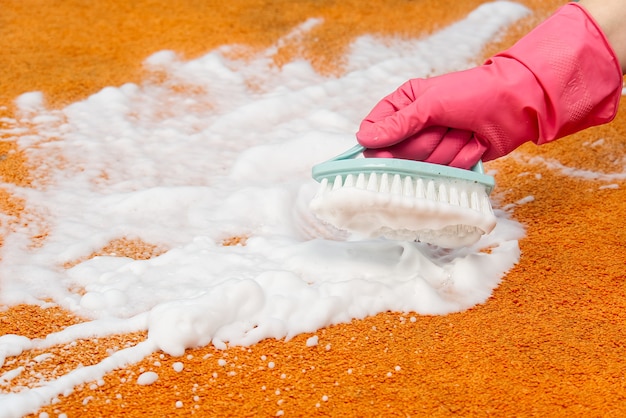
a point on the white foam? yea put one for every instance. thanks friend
(575, 172)
(147, 378)
(186, 168)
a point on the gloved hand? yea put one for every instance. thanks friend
(560, 78)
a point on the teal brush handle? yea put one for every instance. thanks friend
(351, 153)
(358, 149)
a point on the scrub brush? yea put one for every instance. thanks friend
(403, 199)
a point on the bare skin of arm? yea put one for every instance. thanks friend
(611, 15)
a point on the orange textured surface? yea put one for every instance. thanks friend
(549, 342)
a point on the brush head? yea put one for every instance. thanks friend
(404, 200)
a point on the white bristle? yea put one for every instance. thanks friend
(384, 183)
(443, 193)
(396, 184)
(338, 183)
(420, 190)
(464, 199)
(372, 184)
(412, 188)
(454, 196)
(475, 201)
(324, 187)
(431, 194)
(408, 189)
(486, 204)
(360, 181)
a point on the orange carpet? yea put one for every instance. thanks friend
(548, 343)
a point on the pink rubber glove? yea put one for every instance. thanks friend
(560, 78)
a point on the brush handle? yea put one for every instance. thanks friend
(351, 153)
(358, 149)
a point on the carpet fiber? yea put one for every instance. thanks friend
(549, 342)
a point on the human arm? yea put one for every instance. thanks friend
(562, 77)
(611, 17)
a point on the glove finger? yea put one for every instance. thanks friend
(450, 145)
(470, 154)
(394, 119)
(418, 147)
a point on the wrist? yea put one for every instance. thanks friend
(609, 16)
